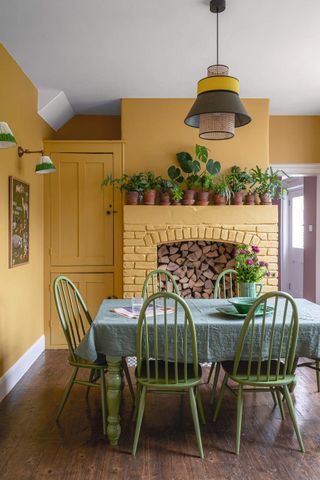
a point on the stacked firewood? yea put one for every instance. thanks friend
(196, 265)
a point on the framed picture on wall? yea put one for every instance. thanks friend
(19, 218)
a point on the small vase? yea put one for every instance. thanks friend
(219, 199)
(188, 197)
(249, 199)
(164, 198)
(132, 198)
(237, 198)
(202, 199)
(265, 199)
(149, 198)
(249, 289)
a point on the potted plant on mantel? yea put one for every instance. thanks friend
(268, 184)
(250, 271)
(205, 182)
(221, 191)
(176, 194)
(165, 187)
(150, 188)
(238, 180)
(133, 185)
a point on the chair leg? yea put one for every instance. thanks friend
(239, 417)
(142, 401)
(274, 397)
(103, 391)
(221, 394)
(215, 382)
(200, 406)
(318, 374)
(66, 393)
(211, 372)
(195, 417)
(293, 416)
(128, 378)
(280, 403)
(136, 403)
(91, 376)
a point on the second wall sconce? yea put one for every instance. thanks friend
(44, 164)
(7, 139)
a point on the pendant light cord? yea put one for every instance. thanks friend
(217, 38)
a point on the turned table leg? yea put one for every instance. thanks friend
(114, 391)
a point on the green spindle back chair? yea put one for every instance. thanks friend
(167, 357)
(75, 320)
(265, 356)
(154, 280)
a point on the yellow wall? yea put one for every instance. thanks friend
(91, 127)
(21, 292)
(295, 139)
(154, 132)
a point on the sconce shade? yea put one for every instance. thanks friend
(7, 139)
(45, 165)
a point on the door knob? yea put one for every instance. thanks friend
(108, 212)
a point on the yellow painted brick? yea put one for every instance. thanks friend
(272, 251)
(151, 257)
(133, 242)
(247, 238)
(273, 267)
(246, 228)
(194, 232)
(186, 233)
(271, 259)
(201, 230)
(134, 257)
(171, 235)
(269, 288)
(155, 237)
(267, 228)
(139, 234)
(217, 233)
(148, 240)
(273, 281)
(145, 249)
(269, 244)
(128, 249)
(209, 232)
(256, 240)
(163, 236)
(239, 237)
(133, 288)
(179, 235)
(139, 280)
(144, 265)
(136, 273)
(273, 236)
(232, 235)
(128, 280)
(156, 227)
(263, 236)
(127, 295)
(224, 234)
(263, 251)
(128, 264)
(128, 234)
(134, 228)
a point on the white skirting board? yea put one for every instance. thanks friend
(16, 372)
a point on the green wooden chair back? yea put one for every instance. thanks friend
(226, 280)
(73, 313)
(161, 338)
(155, 279)
(257, 338)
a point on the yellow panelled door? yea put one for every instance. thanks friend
(81, 210)
(93, 288)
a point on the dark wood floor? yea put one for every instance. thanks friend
(33, 446)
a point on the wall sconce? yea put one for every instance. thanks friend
(7, 139)
(44, 165)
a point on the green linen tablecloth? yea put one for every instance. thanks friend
(217, 334)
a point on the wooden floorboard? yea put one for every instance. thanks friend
(33, 446)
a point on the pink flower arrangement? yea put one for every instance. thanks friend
(248, 266)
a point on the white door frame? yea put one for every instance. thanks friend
(307, 170)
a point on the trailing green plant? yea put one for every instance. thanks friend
(164, 185)
(238, 179)
(193, 167)
(221, 187)
(176, 193)
(268, 181)
(129, 183)
(151, 182)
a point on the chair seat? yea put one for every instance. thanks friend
(243, 369)
(171, 372)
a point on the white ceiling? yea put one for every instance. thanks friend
(97, 51)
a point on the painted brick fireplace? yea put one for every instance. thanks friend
(148, 227)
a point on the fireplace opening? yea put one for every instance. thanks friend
(195, 265)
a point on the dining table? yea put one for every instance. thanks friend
(114, 336)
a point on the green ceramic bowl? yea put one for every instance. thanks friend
(242, 304)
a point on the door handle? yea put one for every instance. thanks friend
(108, 212)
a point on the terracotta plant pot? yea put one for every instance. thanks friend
(165, 198)
(219, 199)
(188, 197)
(149, 198)
(237, 198)
(176, 202)
(249, 199)
(132, 198)
(265, 199)
(203, 199)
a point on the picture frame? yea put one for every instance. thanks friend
(19, 222)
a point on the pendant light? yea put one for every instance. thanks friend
(218, 110)
(44, 164)
(7, 139)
